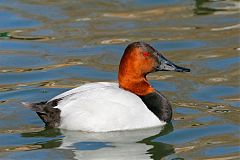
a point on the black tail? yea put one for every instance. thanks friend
(46, 111)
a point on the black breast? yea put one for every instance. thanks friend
(159, 105)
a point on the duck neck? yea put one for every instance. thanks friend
(135, 84)
(153, 99)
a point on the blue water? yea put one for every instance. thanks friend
(78, 42)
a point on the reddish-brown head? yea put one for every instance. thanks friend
(138, 60)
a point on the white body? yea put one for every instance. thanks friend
(102, 107)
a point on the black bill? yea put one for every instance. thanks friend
(166, 65)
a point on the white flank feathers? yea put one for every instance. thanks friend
(102, 107)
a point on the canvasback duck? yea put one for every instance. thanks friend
(132, 103)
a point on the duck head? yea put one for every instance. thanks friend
(138, 60)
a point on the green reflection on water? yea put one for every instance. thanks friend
(200, 9)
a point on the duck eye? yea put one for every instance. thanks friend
(145, 54)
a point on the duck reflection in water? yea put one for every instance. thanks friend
(134, 144)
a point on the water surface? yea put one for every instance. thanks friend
(48, 47)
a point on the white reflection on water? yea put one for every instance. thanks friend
(112, 145)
